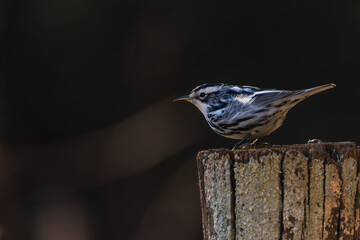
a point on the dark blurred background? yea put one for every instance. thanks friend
(92, 146)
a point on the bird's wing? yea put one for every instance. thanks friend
(274, 97)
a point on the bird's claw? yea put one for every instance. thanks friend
(315, 140)
(254, 144)
(262, 145)
(241, 146)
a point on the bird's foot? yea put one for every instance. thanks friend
(262, 145)
(241, 146)
(315, 140)
(254, 144)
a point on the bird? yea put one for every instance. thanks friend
(246, 112)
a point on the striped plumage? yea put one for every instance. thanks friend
(240, 112)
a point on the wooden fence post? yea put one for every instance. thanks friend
(304, 191)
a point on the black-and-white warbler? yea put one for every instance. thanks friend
(245, 112)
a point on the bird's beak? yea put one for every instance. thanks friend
(184, 98)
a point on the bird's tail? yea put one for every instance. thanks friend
(299, 95)
(314, 90)
(295, 97)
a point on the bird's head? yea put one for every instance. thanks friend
(208, 97)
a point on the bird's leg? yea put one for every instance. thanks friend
(241, 142)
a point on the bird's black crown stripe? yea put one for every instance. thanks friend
(206, 85)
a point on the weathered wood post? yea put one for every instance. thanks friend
(305, 191)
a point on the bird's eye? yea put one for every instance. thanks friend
(202, 95)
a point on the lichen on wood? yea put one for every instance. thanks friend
(316, 200)
(349, 187)
(258, 195)
(357, 200)
(217, 195)
(295, 170)
(332, 201)
(304, 191)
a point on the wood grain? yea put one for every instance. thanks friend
(302, 191)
